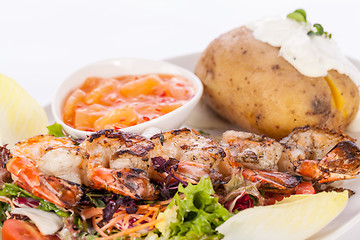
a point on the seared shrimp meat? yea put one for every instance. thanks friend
(197, 155)
(251, 150)
(49, 168)
(118, 163)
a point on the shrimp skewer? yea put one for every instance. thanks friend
(198, 156)
(49, 168)
(118, 162)
(53, 168)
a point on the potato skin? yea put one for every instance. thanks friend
(249, 84)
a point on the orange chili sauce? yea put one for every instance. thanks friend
(119, 102)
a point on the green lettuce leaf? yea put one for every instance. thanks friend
(198, 214)
(56, 130)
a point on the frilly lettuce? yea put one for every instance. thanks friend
(196, 216)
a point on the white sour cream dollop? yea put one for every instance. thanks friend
(312, 56)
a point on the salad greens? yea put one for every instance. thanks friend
(193, 213)
(56, 130)
(194, 217)
(4, 207)
(12, 191)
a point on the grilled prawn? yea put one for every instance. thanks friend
(257, 156)
(49, 168)
(118, 163)
(196, 156)
(320, 155)
(317, 155)
(251, 150)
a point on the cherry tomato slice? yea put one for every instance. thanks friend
(20, 230)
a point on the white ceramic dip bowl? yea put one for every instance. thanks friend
(127, 66)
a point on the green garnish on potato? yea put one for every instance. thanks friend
(300, 16)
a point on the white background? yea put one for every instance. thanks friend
(42, 41)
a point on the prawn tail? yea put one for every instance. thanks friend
(341, 162)
(69, 193)
(343, 158)
(61, 192)
(132, 182)
(273, 181)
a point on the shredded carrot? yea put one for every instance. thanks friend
(135, 235)
(122, 211)
(147, 207)
(163, 208)
(7, 200)
(98, 219)
(110, 229)
(155, 215)
(142, 218)
(145, 218)
(125, 223)
(144, 206)
(90, 212)
(132, 230)
(112, 222)
(97, 228)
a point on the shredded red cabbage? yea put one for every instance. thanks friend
(4, 158)
(113, 204)
(171, 182)
(26, 201)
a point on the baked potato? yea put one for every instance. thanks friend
(249, 84)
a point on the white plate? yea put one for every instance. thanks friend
(341, 224)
